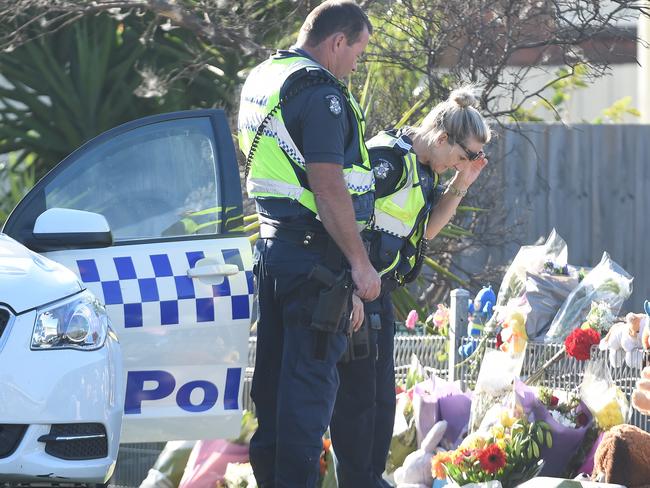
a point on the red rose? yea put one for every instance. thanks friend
(554, 401)
(582, 419)
(499, 340)
(578, 344)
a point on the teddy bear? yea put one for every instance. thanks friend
(626, 339)
(416, 470)
(623, 457)
(514, 333)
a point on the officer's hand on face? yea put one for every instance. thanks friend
(367, 282)
(468, 171)
(356, 317)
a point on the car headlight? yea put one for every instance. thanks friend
(78, 322)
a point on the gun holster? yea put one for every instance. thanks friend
(359, 343)
(333, 300)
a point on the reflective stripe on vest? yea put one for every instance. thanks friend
(277, 165)
(398, 212)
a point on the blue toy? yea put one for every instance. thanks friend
(481, 310)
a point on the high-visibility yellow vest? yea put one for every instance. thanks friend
(277, 166)
(403, 213)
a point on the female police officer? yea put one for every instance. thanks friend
(406, 164)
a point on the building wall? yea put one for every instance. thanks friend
(584, 104)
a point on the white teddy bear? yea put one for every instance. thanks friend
(626, 341)
(416, 470)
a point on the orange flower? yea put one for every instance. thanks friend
(327, 443)
(437, 465)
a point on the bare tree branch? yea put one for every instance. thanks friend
(211, 21)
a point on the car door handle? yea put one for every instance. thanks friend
(212, 270)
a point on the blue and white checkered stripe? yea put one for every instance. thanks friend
(156, 286)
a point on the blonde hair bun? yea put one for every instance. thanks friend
(464, 97)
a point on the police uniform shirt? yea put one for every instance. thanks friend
(324, 128)
(388, 166)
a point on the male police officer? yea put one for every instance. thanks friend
(309, 172)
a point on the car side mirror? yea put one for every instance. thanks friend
(66, 228)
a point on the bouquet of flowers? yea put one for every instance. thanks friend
(604, 399)
(509, 453)
(568, 413)
(494, 383)
(607, 283)
(569, 422)
(529, 259)
(546, 291)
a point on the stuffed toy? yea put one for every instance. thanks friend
(625, 340)
(623, 457)
(641, 396)
(514, 334)
(416, 470)
(481, 310)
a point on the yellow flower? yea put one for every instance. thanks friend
(610, 415)
(506, 420)
(474, 441)
(498, 431)
(501, 443)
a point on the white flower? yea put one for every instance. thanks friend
(239, 475)
(562, 419)
(600, 316)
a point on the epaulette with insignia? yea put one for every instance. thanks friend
(403, 145)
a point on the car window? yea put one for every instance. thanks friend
(157, 180)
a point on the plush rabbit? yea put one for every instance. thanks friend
(416, 470)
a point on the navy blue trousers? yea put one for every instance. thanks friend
(364, 414)
(293, 391)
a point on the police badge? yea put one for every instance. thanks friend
(381, 170)
(334, 104)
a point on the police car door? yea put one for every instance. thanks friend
(177, 282)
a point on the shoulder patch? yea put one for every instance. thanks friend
(382, 168)
(403, 145)
(333, 104)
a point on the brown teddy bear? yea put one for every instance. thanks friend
(623, 457)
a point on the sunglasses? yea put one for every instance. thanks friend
(471, 155)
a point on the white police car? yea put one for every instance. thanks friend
(148, 216)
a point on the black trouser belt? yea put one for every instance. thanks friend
(308, 239)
